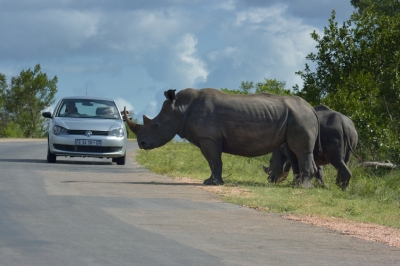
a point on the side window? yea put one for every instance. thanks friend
(62, 109)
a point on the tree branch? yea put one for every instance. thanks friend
(387, 165)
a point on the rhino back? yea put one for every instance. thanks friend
(247, 125)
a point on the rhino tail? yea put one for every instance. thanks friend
(346, 133)
(318, 142)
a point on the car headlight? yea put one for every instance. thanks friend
(117, 132)
(57, 130)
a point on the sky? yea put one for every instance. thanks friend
(133, 51)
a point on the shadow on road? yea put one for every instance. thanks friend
(58, 161)
(23, 161)
(139, 183)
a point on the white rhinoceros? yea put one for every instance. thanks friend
(245, 125)
(338, 140)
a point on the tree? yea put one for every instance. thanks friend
(3, 87)
(245, 88)
(273, 86)
(27, 96)
(270, 86)
(387, 7)
(357, 73)
(4, 117)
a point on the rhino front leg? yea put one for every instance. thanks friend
(212, 152)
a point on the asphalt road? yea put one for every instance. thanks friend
(83, 211)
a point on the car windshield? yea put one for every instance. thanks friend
(84, 108)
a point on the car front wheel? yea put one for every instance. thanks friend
(121, 160)
(51, 158)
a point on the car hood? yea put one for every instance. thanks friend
(88, 123)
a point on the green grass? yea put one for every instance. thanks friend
(373, 194)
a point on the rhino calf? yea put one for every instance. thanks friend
(245, 125)
(338, 140)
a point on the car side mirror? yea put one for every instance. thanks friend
(46, 114)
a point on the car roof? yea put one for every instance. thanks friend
(86, 98)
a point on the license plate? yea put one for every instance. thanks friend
(92, 142)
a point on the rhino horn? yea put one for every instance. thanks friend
(133, 126)
(146, 120)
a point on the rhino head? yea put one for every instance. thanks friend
(279, 166)
(157, 131)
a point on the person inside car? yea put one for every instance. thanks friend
(70, 109)
(109, 112)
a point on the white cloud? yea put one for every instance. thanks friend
(192, 68)
(33, 35)
(226, 52)
(134, 50)
(271, 45)
(152, 109)
(260, 15)
(227, 5)
(121, 103)
(142, 31)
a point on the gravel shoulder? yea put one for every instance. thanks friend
(366, 231)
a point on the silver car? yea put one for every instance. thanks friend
(85, 126)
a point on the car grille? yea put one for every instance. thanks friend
(82, 132)
(97, 149)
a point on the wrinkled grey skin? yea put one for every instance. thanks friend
(245, 125)
(338, 140)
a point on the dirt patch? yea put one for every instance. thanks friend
(220, 190)
(366, 231)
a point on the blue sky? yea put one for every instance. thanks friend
(133, 51)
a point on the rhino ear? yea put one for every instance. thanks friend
(170, 95)
(146, 120)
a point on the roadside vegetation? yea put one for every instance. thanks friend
(22, 102)
(373, 194)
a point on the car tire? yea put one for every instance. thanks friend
(121, 160)
(51, 158)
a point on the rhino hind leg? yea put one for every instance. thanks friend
(308, 169)
(343, 178)
(301, 157)
(343, 175)
(320, 176)
(302, 175)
